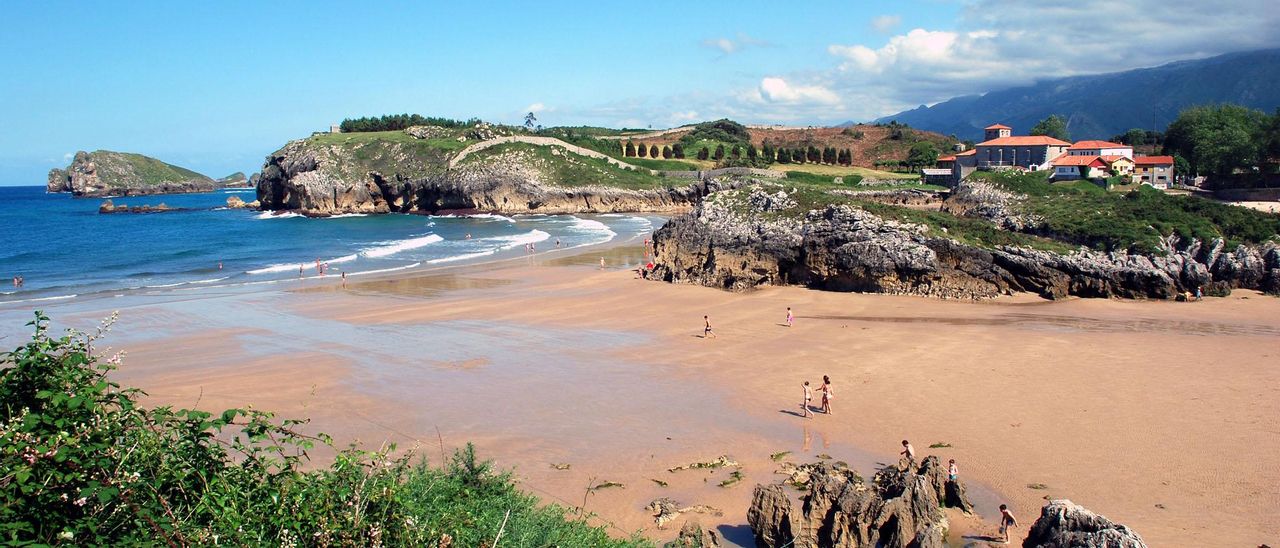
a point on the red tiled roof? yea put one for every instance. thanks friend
(1097, 144)
(951, 158)
(1065, 160)
(1024, 140)
(969, 152)
(1153, 160)
(1111, 158)
(997, 126)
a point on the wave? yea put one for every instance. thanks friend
(345, 215)
(39, 299)
(275, 268)
(463, 257)
(530, 237)
(589, 225)
(491, 217)
(194, 282)
(343, 259)
(273, 215)
(381, 270)
(612, 215)
(402, 245)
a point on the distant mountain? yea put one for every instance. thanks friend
(1104, 105)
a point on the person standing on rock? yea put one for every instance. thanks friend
(908, 452)
(1006, 521)
(827, 394)
(706, 326)
(808, 397)
(952, 472)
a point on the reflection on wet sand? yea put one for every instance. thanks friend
(1039, 322)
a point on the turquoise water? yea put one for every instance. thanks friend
(64, 248)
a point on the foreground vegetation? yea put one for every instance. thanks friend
(82, 462)
(1082, 213)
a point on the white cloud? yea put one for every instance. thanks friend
(886, 23)
(1002, 43)
(777, 90)
(536, 108)
(729, 46)
(68, 156)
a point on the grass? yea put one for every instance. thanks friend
(571, 170)
(734, 477)
(149, 170)
(661, 164)
(779, 455)
(845, 171)
(1083, 213)
(940, 445)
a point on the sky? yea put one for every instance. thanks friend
(217, 86)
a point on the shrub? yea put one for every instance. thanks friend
(84, 463)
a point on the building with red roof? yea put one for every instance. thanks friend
(1003, 150)
(1156, 171)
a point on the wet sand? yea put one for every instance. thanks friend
(1159, 415)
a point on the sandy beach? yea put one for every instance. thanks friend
(1159, 415)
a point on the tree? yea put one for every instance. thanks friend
(736, 152)
(653, 151)
(666, 152)
(922, 154)
(1181, 168)
(752, 152)
(797, 155)
(829, 155)
(719, 155)
(784, 156)
(702, 153)
(1217, 139)
(642, 151)
(677, 150)
(1135, 137)
(1054, 126)
(529, 121)
(770, 155)
(630, 151)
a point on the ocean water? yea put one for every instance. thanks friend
(63, 248)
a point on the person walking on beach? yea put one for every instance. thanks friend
(808, 396)
(1199, 295)
(601, 263)
(344, 278)
(1006, 521)
(908, 452)
(706, 327)
(790, 318)
(299, 272)
(827, 394)
(952, 472)
(557, 243)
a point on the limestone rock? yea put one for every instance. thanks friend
(692, 535)
(107, 173)
(234, 202)
(899, 508)
(1064, 524)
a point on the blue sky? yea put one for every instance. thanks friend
(216, 86)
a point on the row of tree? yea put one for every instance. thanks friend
(667, 152)
(768, 154)
(396, 122)
(1225, 139)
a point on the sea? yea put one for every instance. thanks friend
(64, 249)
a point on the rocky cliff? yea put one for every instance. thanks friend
(769, 234)
(107, 173)
(1064, 524)
(404, 172)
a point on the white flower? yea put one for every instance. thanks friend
(66, 535)
(81, 501)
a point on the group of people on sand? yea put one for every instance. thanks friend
(826, 392)
(953, 473)
(18, 281)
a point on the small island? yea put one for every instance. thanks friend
(107, 173)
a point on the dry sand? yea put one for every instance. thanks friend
(1159, 415)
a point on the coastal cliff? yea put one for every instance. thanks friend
(768, 234)
(107, 173)
(423, 171)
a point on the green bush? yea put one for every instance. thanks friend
(82, 463)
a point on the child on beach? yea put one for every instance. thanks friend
(908, 451)
(601, 263)
(706, 326)
(827, 394)
(952, 472)
(790, 318)
(1006, 521)
(808, 396)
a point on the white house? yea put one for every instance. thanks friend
(1100, 148)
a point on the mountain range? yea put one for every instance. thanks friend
(1104, 105)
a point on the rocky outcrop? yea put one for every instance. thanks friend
(692, 535)
(234, 202)
(1063, 524)
(106, 173)
(899, 508)
(235, 180)
(109, 207)
(749, 237)
(318, 180)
